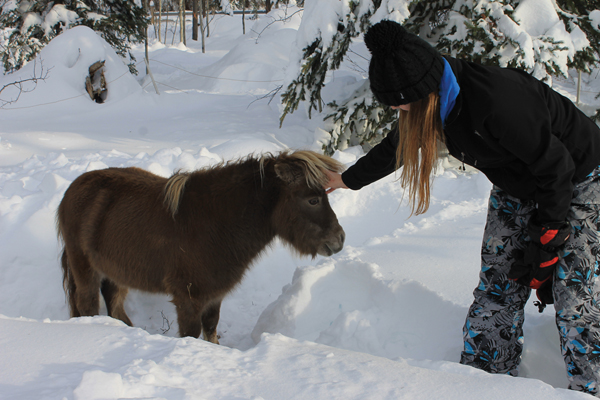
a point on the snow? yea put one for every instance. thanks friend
(540, 19)
(380, 320)
(58, 13)
(393, 10)
(595, 18)
(536, 16)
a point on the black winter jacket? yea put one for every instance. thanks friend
(526, 138)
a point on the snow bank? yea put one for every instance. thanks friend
(349, 304)
(66, 60)
(101, 359)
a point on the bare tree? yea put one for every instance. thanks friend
(22, 85)
(160, 19)
(202, 9)
(182, 19)
(244, 5)
(195, 19)
(206, 11)
(284, 18)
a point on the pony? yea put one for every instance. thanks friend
(191, 236)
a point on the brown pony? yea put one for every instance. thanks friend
(191, 236)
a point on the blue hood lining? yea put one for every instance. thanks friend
(449, 90)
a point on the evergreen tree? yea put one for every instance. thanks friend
(360, 112)
(576, 15)
(27, 26)
(124, 23)
(497, 32)
(490, 32)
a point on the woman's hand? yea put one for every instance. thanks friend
(335, 182)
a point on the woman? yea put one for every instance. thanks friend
(542, 156)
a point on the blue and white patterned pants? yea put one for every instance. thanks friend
(493, 332)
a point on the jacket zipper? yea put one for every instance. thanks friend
(462, 153)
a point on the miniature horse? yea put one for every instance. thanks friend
(191, 236)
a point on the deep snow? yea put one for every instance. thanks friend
(380, 320)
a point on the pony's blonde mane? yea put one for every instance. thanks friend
(312, 163)
(174, 191)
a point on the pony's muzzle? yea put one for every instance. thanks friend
(335, 245)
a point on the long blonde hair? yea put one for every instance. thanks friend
(420, 130)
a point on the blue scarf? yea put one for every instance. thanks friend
(449, 90)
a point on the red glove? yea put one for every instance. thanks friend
(541, 255)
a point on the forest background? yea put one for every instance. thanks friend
(564, 35)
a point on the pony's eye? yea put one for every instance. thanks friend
(313, 201)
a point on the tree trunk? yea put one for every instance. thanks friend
(202, 27)
(268, 6)
(206, 8)
(159, 20)
(174, 32)
(182, 23)
(147, 7)
(244, 17)
(195, 19)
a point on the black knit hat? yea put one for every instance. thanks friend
(404, 68)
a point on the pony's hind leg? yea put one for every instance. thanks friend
(86, 280)
(114, 297)
(210, 320)
(69, 285)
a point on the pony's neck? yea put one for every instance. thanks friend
(243, 193)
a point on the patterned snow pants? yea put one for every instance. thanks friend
(493, 332)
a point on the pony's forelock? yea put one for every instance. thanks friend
(315, 165)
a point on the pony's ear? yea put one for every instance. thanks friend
(288, 172)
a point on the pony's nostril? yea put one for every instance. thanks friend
(342, 238)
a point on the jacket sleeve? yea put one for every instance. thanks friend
(378, 163)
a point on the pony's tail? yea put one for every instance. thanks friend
(68, 284)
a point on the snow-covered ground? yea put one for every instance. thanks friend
(380, 320)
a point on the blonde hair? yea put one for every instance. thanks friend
(174, 190)
(314, 165)
(420, 130)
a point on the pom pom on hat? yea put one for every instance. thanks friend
(385, 36)
(404, 68)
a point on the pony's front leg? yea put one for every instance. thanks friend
(210, 320)
(188, 315)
